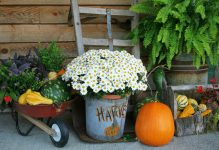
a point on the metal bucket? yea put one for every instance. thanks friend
(105, 119)
(184, 73)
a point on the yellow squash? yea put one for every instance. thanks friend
(187, 112)
(22, 98)
(206, 112)
(36, 99)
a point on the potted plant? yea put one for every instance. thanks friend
(106, 79)
(173, 27)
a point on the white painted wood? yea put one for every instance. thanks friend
(105, 42)
(102, 11)
(77, 26)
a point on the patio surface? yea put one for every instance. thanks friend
(38, 140)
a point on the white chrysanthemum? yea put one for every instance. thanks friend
(107, 71)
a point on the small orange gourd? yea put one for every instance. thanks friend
(155, 124)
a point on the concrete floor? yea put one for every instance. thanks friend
(38, 140)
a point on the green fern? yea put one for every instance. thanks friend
(181, 7)
(177, 26)
(201, 10)
(144, 7)
(163, 14)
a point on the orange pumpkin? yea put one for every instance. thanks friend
(155, 124)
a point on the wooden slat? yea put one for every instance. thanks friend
(46, 33)
(46, 14)
(64, 2)
(102, 11)
(19, 15)
(104, 42)
(7, 50)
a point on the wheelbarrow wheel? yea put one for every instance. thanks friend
(61, 136)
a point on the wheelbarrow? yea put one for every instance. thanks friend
(55, 128)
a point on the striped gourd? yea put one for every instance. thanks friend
(182, 101)
(193, 101)
(202, 107)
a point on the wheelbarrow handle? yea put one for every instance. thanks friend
(39, 124)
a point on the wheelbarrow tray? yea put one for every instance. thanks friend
(42, 111)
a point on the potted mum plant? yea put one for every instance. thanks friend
(106, 79)
(170, 28)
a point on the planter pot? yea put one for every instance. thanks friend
(184, 73)
(105, 118)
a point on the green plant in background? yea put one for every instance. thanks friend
(51, 57)
(213, 121)
(172, 27)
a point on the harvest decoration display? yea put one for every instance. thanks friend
(32, 87)
(106, 79)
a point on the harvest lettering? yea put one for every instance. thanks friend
(107, 114)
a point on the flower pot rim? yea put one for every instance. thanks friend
(114, 97)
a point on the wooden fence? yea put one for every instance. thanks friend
(25, 23)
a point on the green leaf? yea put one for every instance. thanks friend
(201, 10)
(163, 1)
(163, 14)
(161, 57)
(145, 7)
(182, 6)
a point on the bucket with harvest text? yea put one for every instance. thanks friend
(105, 118)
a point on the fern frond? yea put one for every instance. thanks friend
(198, 47)
(197, 61)
(144, 7)
(181, 7)
(162, 56)
(166, 2)
(216, 19)
(201, 10)
(156, 48)
(188, 38)
(148, 38)
(163, 14)
(213, 29)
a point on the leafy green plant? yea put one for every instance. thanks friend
(19, 74)
(28, 79)
(172, 27)
(213, 120)
(51, 57)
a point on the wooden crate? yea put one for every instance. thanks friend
(185, 126)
